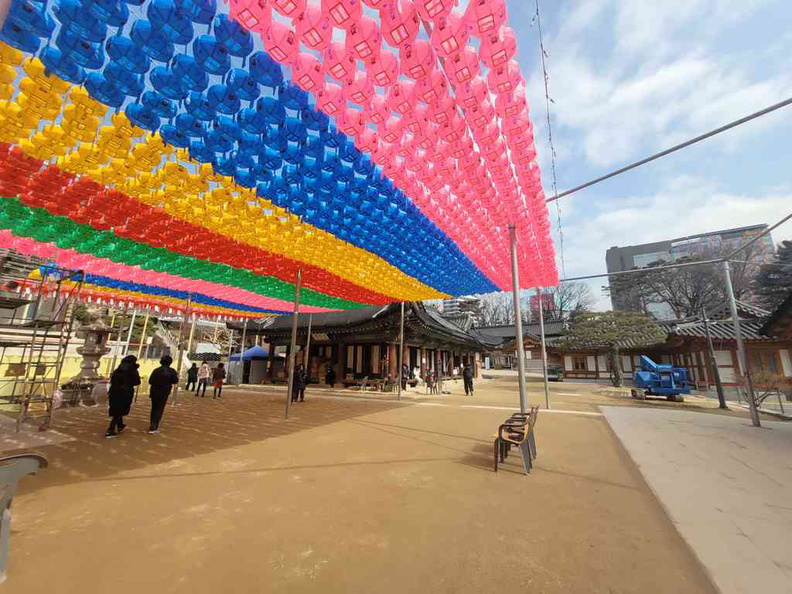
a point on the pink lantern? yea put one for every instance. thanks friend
(417, 60)
(330, 98)
(289, 8)
(453, 129)
(363, 38)
(375, 4)
(441, 110)
(498, 47)
(416, 122)
(391, 130)
(450, 35)
(505, 78)
(484, 16)
(432, 87)
(401, 97)
(281, 43)
(462, 66)
(343, 13)
(308, 71)
(383, 69)
(510, 104)
(351, 121)
(255, 15)
(481, 115)
(339, 61)
(399, 23)
(314, 29)
(471, 93)
(367, 140)
(377, 110)
(517, 125)
(432, 10)
(358, 88)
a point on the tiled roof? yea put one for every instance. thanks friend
(722, 330)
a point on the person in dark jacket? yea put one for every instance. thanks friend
(405, 376)
(192, 378)
(218, 375)
(467, 379)
(161, 381)
(330, 375)
(122, 389)
(298, 383)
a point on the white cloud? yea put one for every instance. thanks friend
(685, 205)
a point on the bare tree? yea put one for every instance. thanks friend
(568, 300)
(497, 309)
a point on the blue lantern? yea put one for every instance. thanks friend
(172, 20)
(189, 125)
(211, 55)
(103, 90)
(159, 104)
(192, 76)
(55, 63)
(167, 83)
(152, 41)
(129, 82)
(124, 51)
(142, 116)
(85, 53)
(242, 83)
(172, 135)
(223, 99)
(113, 12)
(74, 17)
(236, 39)
(265, 70)
(200, 107)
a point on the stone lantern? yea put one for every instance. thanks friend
(82, 386)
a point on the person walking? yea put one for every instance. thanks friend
(298, 383)
(218, 375)
(192, 378)
(204, 373)
(122, 389)
(467, 379)
(405, 376)
(161, 382)
(330, 375)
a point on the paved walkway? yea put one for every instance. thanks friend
(726, 485)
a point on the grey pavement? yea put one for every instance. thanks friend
(727, 486)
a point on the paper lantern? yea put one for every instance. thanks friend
(432, 87)
(152, 41)
(498, 47)
(265, 70)
(400, 23)
(505, 78)
(351, 121)
(330, 98)
(342, 13)
(383, 69)
(358, 89)
(417, 60)
(432, 10)
(281, 43)
(232, 36)
(484, 16)
(289, 8)
(73, 16)
(255, 15)
(401, 97)
(377, 110)
(308, 71)
(339, 61)
(363, 39)
(462, 66)
(449, 36)
(314, 28)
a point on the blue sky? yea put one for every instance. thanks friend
(629, 78)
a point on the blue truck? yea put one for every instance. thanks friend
(657, 379)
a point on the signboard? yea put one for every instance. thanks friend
(319, 336)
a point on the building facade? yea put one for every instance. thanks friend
(618, 259)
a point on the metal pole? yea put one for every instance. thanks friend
(308, 348)
(743, 360)
(129, 335)
(293, 347)
(241, 353)
(517, 317)
(400, 358)
(544, 350)
(192, 335)
(118, 341)
(185, 317)
(714, 363)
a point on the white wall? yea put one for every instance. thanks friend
(627, 363)
(590, 363)
(567, 363)
(786, 363)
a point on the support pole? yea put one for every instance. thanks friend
(714, 363)
(192, 334)
(544, 350)
(517, 317)
(118, 342)
(293, 347)
(400, 358)
(241, 353)
(307, 357)
(129, 334)
(181, 347)
(743, 360)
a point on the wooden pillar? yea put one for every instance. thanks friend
(393, 361)
(596, 365)
(421, 364)
(271, 361)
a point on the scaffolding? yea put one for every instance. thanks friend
(37, 308)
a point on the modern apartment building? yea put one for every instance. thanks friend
(703, 245)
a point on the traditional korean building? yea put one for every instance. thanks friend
(363, 343)
(767, 338)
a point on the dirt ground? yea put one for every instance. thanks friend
(352, 494)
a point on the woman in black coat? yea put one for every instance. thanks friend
(122, 390)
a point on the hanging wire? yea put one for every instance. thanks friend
(548, 101)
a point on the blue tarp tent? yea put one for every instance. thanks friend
(255, 352)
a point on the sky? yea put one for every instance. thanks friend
(629, 78)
